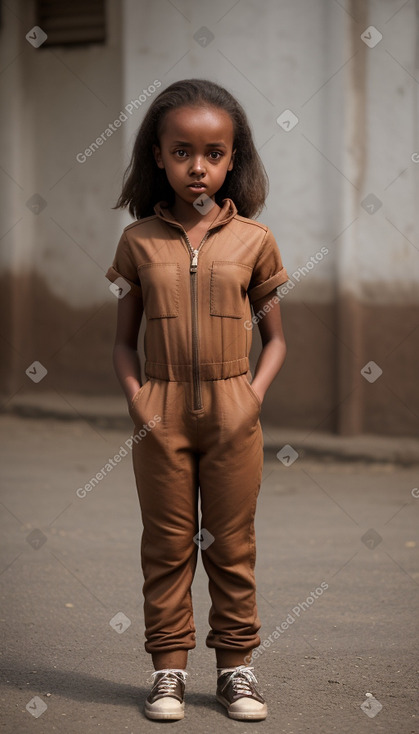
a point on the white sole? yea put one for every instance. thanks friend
(163, 716)
(253, 716)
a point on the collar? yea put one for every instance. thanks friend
(225, 215)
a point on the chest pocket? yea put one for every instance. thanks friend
(160, 288)
(229, 283)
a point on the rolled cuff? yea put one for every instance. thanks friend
(269, 285)
(112, 275)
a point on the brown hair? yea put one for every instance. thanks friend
(144, 184)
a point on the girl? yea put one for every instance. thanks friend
(193, 262)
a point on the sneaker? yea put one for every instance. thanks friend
(165, 700)
(237, 692)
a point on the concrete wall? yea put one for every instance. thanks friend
(356, 136)
(57, 223)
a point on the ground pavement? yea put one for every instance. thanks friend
(336, 571)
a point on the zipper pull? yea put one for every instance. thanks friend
(194, 261)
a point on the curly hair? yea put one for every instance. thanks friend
(145, 184)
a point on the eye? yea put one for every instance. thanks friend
(215, 155)
(180, 153)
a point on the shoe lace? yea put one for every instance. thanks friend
(169, 680)
(241, 679)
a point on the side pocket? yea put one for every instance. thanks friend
(136, 397)
(252, 392)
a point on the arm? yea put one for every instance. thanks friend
(274, 349)
(125, 356)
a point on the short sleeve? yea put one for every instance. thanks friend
(123, 266)
(268, 271)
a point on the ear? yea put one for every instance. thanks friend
(157, 156)
(230, 165)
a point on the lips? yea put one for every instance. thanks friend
(197, 186)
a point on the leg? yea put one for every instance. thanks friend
(230, 474)
(166, 477)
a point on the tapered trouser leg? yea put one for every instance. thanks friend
(218, 451)
(230, 473)
(166, 478)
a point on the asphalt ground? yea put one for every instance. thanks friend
(73, 656)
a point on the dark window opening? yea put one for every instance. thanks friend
(75, 22)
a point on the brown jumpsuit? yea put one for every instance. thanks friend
(200, 424)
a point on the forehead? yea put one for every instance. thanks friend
(198, 124)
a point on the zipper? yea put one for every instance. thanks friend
(193, 270)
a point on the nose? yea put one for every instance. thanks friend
(197, 165)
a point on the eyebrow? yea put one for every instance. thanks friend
(189, 145)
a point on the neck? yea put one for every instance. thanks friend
(189, 217)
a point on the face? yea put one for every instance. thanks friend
(196, 150)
